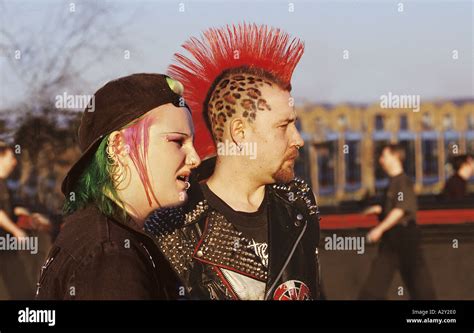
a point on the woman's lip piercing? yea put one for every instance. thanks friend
(188, 185)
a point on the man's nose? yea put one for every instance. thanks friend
(298, 140)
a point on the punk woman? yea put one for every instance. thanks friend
(137, 141)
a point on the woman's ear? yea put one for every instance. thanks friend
(118, 147)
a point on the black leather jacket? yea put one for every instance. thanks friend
(199, 242)
(103, 258)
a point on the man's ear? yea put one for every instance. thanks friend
(118, 147)
(237, 130)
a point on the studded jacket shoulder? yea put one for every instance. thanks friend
(200, 243)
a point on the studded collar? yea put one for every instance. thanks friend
(223, 246)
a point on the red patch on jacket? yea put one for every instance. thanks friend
(292, 290)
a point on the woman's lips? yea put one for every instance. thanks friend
(183, 182)
(182, 179)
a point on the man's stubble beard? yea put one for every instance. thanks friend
(285, 174)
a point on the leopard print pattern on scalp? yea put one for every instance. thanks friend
(236, 93)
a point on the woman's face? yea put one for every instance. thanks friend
(170, 153)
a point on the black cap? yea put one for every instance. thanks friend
(115, 105)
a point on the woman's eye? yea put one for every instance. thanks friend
(178, 142)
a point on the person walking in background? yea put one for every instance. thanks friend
(12, 270)
(399, 248)
(456, 185)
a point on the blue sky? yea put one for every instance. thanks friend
(407, 52)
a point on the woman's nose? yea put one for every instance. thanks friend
(194, 159)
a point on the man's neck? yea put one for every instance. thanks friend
(235, 188)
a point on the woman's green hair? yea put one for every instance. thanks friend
(93, 185)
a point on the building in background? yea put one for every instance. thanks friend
(343, 142)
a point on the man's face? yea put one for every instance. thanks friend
(471, 161)
(275, 134)
(8, 163)
(387, 160)
(470, 166)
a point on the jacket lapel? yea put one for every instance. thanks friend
(223, 246)
(285, 228)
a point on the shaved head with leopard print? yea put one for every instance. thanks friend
(238, 93)
(231, 69)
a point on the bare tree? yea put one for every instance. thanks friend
(73, 41)
(58, 54)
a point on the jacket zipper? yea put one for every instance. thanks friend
(224, 279)
(286, 262)
(42, 273)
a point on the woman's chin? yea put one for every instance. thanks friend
(172, 196)
(182, 197)
(178, 199)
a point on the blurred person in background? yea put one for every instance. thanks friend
(456, 185)
(398, 234)
(12, 269)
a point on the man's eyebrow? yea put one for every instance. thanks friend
(288, 120)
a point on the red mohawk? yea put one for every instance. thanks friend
(220, 49)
